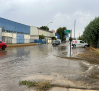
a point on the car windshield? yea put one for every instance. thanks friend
(55, 41)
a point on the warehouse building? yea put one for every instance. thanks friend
(13, 32)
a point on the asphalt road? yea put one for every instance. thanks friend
(18, 63)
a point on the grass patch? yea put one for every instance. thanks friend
(91, 53)
(41, 86)
(28, 83)
(95, 52)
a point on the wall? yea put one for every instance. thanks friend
(14, 26)
(7, 34)
(20, 38)
(42, 32)
(26, 38)
(33, 30)
(51, 34)
(34, 34)
(45, 33)
(49, 40)
(9, 37)
(14, 38)
(0, 33)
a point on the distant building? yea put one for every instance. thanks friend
(14, 32)
(58, 36)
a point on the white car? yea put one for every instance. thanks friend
(79, 43)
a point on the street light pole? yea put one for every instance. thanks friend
(47, 33)
(70, 41)
(74, 28)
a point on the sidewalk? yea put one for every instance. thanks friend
(58, 83)
(21, 45)
(58, 89)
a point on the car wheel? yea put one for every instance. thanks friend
(3, 47)
(74, 45)
(54, 44)
(85, 46)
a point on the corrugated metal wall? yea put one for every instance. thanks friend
(7, 40)
(34, 31)
(0, 33)
(45, 33)
(42, 32)
(26, 38)
(9, 37)
(14, 26)
(20, 38)
(14, 38)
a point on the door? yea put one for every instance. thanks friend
(81, 43)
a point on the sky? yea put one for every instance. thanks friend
(62, 13)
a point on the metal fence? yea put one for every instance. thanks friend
(9, 40)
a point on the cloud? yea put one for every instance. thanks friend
(61, 12)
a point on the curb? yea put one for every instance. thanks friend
(21, 45)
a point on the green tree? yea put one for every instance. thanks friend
(53, 38)
(41, 36)
(80, 37)
(91, 33)
(44, 28)
(60, 31)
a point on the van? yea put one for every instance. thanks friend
(79, 43)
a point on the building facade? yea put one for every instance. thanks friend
(13, 32)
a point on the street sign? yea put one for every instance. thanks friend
(67, 31)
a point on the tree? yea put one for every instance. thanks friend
(41, 36)
(80, 37)
(60, 31)
(44, 28)
(53, 38)
(91, 33)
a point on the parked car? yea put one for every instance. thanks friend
(64, 41)
(59, 40)
(79, 43)
(56, 42)
(3, 45)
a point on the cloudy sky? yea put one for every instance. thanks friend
(61, 12)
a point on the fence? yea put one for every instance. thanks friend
(9, 40)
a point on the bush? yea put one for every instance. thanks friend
(91, 32)
(41, 36)
(53, 38)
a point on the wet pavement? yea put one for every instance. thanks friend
(20, 63)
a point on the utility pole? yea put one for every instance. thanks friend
(74, 27)
(47, 32)
(70, 41)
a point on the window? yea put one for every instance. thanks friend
(0, 42)
(81, 42)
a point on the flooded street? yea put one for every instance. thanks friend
(37, 61)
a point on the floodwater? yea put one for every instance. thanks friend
(23, 62)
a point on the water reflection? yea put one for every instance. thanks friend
(29, 61)
(3, 53)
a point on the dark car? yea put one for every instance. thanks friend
(56, 42)
(64, 41)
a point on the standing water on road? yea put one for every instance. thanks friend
(17, 63)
